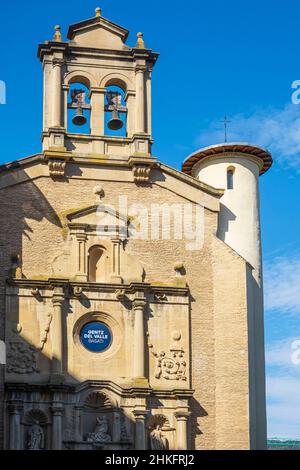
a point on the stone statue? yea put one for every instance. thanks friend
(158, 440)
(101, 431)
(36, 437)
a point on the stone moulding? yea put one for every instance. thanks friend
(131, 288)
(57, 168)
(57, 161)
(141, 168)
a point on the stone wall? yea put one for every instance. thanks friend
(33, 227)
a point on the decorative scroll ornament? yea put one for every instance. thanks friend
(46, 331)
(35, 292)
(57, 168)
(161, 297)
(171, 366)
(141, 174)
(121, 294)
(21, 358)
(77, 291)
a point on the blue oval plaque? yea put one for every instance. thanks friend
(95, 336)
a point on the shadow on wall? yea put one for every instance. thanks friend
(226, 216)
(17, 207)
(44, 410)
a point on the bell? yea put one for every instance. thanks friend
(115, 123)
(79, 119)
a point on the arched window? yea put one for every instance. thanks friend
(115, 118)
(230, 173)
(79, 109)
(97, 264)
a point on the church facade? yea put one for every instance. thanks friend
(131, 293)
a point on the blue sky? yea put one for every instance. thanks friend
(217, 58)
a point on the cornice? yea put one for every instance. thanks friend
(131, 288)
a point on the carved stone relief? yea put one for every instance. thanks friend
(170, 364)
(36, 438)
(57, 168)
(100, 433)
(158, 427)
(44, 335)
(157, 439)
(21, 358)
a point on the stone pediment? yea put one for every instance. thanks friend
(102, 217)
(98, 32)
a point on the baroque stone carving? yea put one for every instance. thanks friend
(35, 292)
(45, 333)
(171, 366)
(77, 291)
(57, 168)
(161, 297)
(21, 358)
(96, 400)
(157, 439)
(121, 294)
(141, 173)
(36, 438)
(101, 431)
(99, 191)
(123, 434)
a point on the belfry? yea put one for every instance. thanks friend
(110, 78)
(131, 293)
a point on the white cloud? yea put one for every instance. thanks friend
(283, 398)
(284, 389)
(282, 354)
(283, 420)
(282, 284)
(283, 408)
(278, 130)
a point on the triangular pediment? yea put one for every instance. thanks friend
(97, 215)
(98, 32)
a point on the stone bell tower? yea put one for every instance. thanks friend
(95, 56)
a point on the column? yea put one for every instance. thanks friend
(78, 423)
(47, 115)
(116, 260)
(140, 431)
(182, 440)
(81, 256)
(97, 99)
(130, 105)
(116, 431)
(66, 90)
(57, 409)
(140, 99)
(56, 93)
(139, 338)
(149, 102)
(57, 333)
(15, 439)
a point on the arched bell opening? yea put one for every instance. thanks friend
(115, 112)
(79, 109)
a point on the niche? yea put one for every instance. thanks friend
(97, 264)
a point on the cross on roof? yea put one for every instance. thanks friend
(225, 121)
